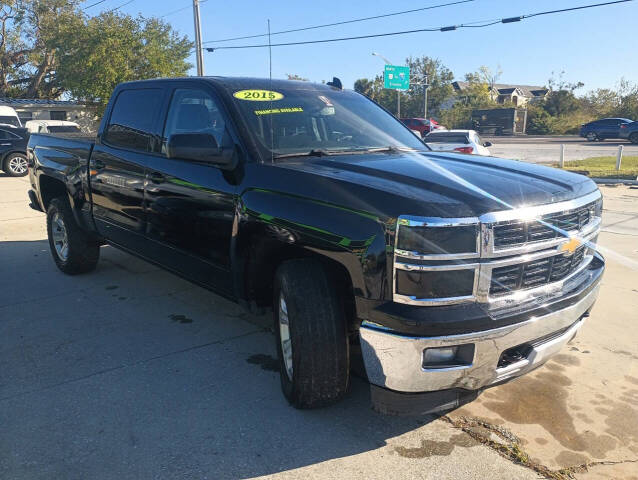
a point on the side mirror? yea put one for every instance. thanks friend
(487, 144)
(201, 147)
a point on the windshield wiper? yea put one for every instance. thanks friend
(315, 152)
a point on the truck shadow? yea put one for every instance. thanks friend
(132, 372)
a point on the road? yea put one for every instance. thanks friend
(546, 149)
(131, 373)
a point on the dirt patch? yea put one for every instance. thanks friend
(566, 359)
(266, 362)
(631, 379)
(584, 418)
(180, 318)
(431, 448)
(541, 441)
(542, 399)
(554, 367)
(571, 458)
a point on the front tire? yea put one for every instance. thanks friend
(592, 137)
(15, 165)
(633, 138)
(311, 335)
(72, 249)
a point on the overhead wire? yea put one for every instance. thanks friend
(448, 28)
(344, 22)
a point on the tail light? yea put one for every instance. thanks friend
(464, 149)
(623, 126)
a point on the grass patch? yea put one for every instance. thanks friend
(605, 167)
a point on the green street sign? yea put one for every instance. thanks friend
(396, 77)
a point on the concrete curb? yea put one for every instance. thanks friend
(615, 181)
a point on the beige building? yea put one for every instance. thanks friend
(41, 109)
(516, 95)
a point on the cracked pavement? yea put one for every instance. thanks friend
(132, 372)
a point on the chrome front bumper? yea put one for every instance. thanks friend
(395, 361)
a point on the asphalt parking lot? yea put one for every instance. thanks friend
(546, 149)
(131, 372)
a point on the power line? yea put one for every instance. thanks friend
(355, 20)
(94, 4)
(180, 9)
(448, 28)
(120, 6)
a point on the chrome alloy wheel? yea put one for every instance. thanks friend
(284, 335)
(18, 165)
(60, 237)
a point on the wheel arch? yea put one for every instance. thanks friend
(349, 244)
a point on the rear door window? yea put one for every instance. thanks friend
(133, 119)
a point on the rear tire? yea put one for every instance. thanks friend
(314, 355)
(15, 165)
(633, 138)
(72, 249)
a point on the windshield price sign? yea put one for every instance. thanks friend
(396, 77)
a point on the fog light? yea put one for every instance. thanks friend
(439, 355)
(447, 357)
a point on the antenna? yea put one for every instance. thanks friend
(272, 134)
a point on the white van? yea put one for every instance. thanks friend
(8, 116)
(51, 126)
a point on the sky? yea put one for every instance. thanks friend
(595, 46)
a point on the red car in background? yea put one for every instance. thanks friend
(421, 125)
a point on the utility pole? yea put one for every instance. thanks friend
(199, 54)
(425, 97)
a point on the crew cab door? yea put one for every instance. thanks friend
(118, 165)
(190, 205)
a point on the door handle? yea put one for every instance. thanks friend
(157, 177)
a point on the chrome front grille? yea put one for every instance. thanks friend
(519, 232)
(519, 254)
(536, 273)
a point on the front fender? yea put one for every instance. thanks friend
(354, 239)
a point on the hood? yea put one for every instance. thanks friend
(446, 184)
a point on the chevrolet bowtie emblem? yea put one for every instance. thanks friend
(570, 246)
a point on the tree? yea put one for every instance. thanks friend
(27, 58)
(113, 48)
(50, 47)
(475, 95)
(561, 99)
(490, 77)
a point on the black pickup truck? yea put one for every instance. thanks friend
(444, 273)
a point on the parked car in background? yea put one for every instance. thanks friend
(421, 125)
(13, 151)
(629, 131)
(461, 141)
(52, 126)
(9, 117)
(599, 130)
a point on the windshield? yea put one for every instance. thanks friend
(308, 119)
(63, 128)
(9, 120)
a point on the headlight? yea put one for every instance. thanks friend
(438, 240)
(434, 260)
(598, 208)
